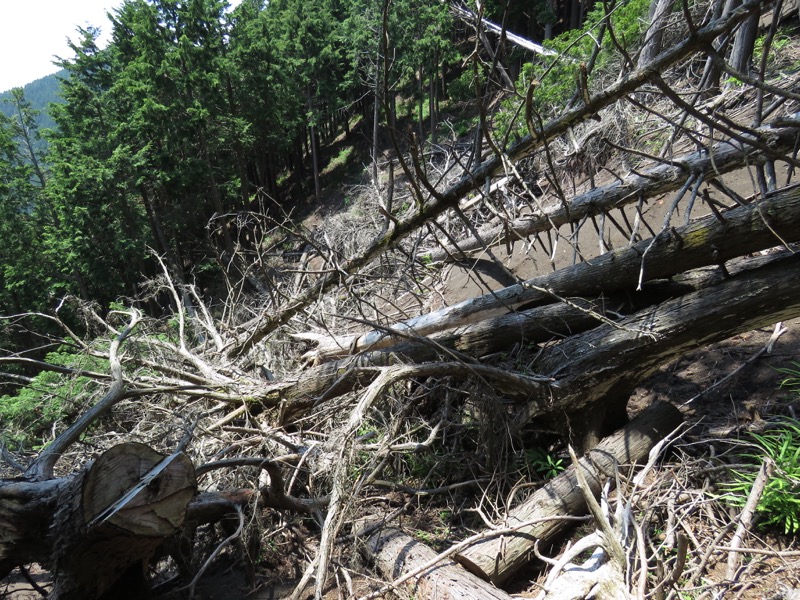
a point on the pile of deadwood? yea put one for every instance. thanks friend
(94, 528)
(596, 330)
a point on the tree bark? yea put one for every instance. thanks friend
(659, 12)
(99, 526)
(606, 363)
(497, 559)
(744, 43)
(396, 553)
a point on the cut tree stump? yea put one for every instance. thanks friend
(396, 553)
(96, 530)
(113, 519)
(498, 558)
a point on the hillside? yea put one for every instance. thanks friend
(319, 299)
(40, 93)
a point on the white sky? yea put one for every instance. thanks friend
(33, 32)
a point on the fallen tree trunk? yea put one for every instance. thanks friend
(396, 554)
(96, 530)
(252, 332)
(722, 158)
(606, 363)
(708, 241)
(522, 328)
(497, 559)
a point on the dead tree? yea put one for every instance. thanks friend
(588, 334)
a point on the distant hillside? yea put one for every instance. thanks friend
(40, 94)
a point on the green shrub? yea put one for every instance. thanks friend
(546, 464)
(28, 416)
(780, 502)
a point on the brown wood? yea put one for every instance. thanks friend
(396, 553)
(157, 509)
(114, 516)
(96, 530)
(497, 559)
(707, 241)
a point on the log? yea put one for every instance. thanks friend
(396, 553)
(708, 241)
(704, 243)
(96, 530)
(723, 157)
(605, 364)
(525, 328)
(26, 510)
(497, 559)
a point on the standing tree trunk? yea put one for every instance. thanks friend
(744, 43)
(659, 12)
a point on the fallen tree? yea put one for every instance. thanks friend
(96, 530)
(455, 390)
(711, 240)
(709, 163)
(499, 558)
(396, 554)
(255, 330)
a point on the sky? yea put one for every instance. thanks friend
(33, 32)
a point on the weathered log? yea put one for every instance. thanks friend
(520, 328)
(252, 332)
(708, 241)
(396, 553)
(606, 363)
(497, 559)
(722, 158)
(95, 530)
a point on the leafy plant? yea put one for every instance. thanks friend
(780, 501)
(545, 464)
(29, 415)
(792, 381)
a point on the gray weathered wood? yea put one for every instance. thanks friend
(707, 241)
(606, 363)
(396, 553)
(499, 558)
(722, 158)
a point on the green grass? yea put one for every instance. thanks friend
(779, 505)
